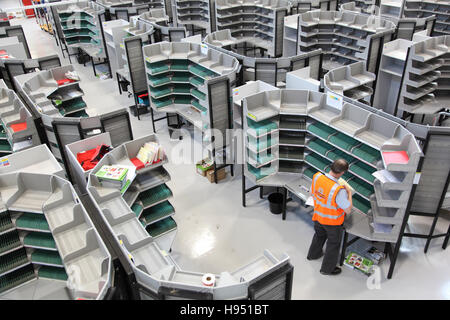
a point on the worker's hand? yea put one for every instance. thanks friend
(348, 189)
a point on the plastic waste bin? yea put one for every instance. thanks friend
(276, 202)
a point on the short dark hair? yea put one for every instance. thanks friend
(339, 166)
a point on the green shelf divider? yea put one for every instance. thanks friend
(160, 103)
(197, 105)
(197, 81)
(261, 143)
(5, 146)
(157, 212)
(158, 67)
(198, 94)
(343, 141)
(363, 170)
(317, 161)
(360, 203)
(367, 153)
(160, 227)
(183, 99)
(154, 195)
(262, 126)
(137, 208)
(361, 187)
(32, 221)
(309, 172)
(179, 65)
(321, 130)
(52, 273)
(320, 146)
(44, 256)
(39, 239)
(262, 172)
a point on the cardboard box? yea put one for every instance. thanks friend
(203, 166)
(221, 174)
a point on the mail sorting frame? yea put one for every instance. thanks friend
(44, 187)
(272, 13)
(407, 65)
(216, 110)
(367, 50)
(195, 16)
(52, 129)
(417, 207)
(89, 8)
(253, 69)
(164, 33)
(150, 283)
(405, 27)
(425, 9)
(275, 180)
(10, 106)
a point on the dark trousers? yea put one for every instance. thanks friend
(323, 233)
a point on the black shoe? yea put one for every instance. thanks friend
(335, 272)
(309, 258)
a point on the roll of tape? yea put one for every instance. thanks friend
(208, 279)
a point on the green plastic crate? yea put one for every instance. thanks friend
(9, 241)
(363, 170)
(32, 221)
(361, 187)
(154, 195)
(181, 77)
(52, 273)
(161, 91)
(16, 278)
(12, 260)
(39, 239)
(317, 161)
(182, 88)
(367, 153)
(45, 256)
(157, 212)
(321, 130)
(320, 146)
(183, 99)
(361, 203)
(198, 94)
(343, 141)
(262, 126)
(160, 227)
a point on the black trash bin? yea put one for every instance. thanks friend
(276, 202)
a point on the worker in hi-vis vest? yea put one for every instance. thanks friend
(331, 202)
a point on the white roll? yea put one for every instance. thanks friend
(208, 279)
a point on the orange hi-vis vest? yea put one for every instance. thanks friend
(324, 192)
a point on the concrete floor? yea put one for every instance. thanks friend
(215, 233)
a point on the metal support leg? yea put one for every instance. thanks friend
(284, 203)
(393, 259)
(444, 245)
(430, 235)
(153, 119)
(118, 83)
(243, 187)
(261, 192)
(344, 248)
(93, 67)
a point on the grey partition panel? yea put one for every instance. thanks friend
(266, 71)
(435, 173)
(406, 29)
(220, 105)
(279, 31)
(175, 35)
(122, 14)
(275, 286)
(119, 128)
(13, 69)
(135, 57)
(47, 63)
(17, 31)
(374, 54)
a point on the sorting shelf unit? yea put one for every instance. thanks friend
(344, 37)
(407, 76)
(352, 81)
(17, 128)
(427, 8)
(259, 23)
(369, 142)
(47, 233)
(391, 8)
(146, 235)
(79, 24)
(197, 13)
(192, 80)
(156, 16)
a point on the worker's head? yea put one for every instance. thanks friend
(339, 167)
